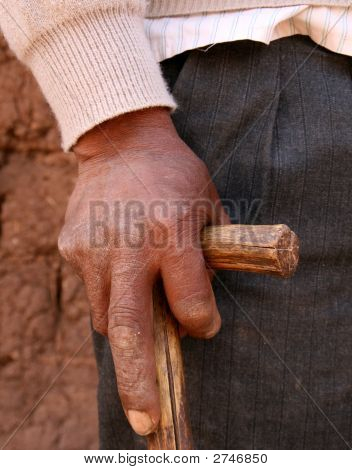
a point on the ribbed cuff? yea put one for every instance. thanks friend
(94, 68)
(159, 8)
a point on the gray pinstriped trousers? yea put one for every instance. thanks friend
(273, 124)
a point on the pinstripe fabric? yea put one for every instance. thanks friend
(327, 26)
(275, 133)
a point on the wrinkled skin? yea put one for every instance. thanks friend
(140, 157)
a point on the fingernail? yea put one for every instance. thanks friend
(140, 421)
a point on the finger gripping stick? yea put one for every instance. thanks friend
(265, 249)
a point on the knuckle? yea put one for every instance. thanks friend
(130, 373)
(130, 382)
(179, 257)
(74, 248)
(125, 331)
(124, 314)
(71, 244)
(64, 244)
(126, 339)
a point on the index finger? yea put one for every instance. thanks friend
(130, 333)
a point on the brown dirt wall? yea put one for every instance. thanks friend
(44, 316)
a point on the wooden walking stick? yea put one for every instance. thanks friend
(266, 249)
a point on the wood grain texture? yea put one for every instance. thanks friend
(174, 431)
(266, 249)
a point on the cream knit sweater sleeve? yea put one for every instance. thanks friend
(90, 57)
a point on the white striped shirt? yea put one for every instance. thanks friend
(331, 27)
